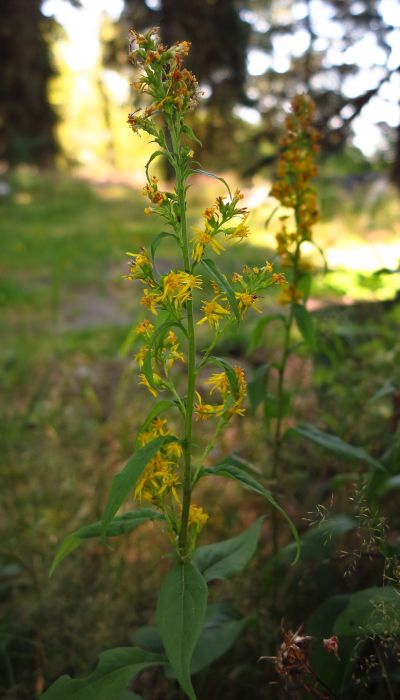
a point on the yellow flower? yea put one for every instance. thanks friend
(205, 410)
(241, 231)
(279, 278)
(218, 382)
(159, 426)
(145, 328)
(149, 301)
(178, 287)
(197, 516)
(202, 239)
(140, 355)
(156, 480)
(213, 312)
(290, 295)
(173, 450)
(246, 301)
(145, 382)
(240, 393)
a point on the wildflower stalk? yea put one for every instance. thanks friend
(294, 191)
(161, 469)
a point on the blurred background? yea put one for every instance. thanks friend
(71, 172)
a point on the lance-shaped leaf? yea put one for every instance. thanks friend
(120, 525)
(180, 613)
(225, 559)
(222, 626)
(214, 177)
(223, 283)
(153, 156)
(334, 444)
(189, 131)
(156, 242)
(258, 330)
(115, 670)
(305, 325)
(124, 482)
(248, 481)
(369, 612)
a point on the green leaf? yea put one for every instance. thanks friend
(157, 336)
(180, 613)
(305, 325)
(257, 386)
(116, 668)
(154, 155)
(334, 672)
(258, 330)
(118, 526)
(214, 177)
(225, 559)
(334, 444)
(156, 242)
(189, 131)
(160, 407)
(317, 541)
(388, 485)
(249, 482)
(224, 283)
(304, 284)
(371, 611)
(222, 626)
(124, 482)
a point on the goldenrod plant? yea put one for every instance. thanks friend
(298, 213)
(166, 466)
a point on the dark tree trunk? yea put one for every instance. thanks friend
(27, 119)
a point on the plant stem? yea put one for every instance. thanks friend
(277, 440)
(180, 170)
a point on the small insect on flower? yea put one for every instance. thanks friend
(246, 301)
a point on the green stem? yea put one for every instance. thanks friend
(180, 170)
(277, 439)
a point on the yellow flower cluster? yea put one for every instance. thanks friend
(173, 289)
(162, 360)
(159, 483)
(232, 396)
(293, 188)
(163, 77)
(160, 479)
(215, 220)
(153, 193)
(250, 282)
